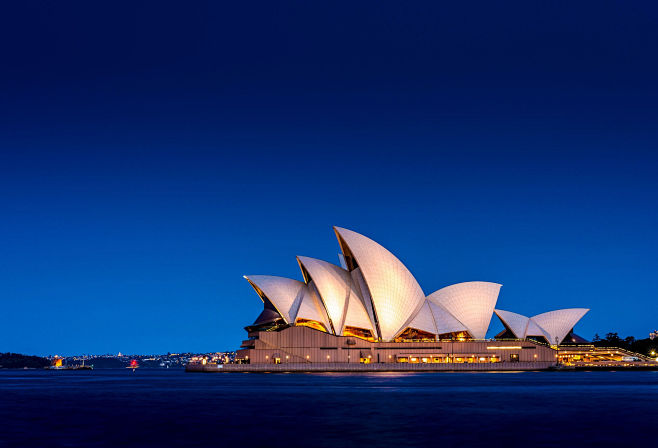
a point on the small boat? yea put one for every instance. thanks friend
(82, 367)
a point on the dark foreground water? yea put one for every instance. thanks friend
(118, 408)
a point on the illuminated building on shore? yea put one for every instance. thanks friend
(372, 310)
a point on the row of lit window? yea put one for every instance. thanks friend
(419, 359)
(455, 359)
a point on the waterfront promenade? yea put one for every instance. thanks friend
(372, 367)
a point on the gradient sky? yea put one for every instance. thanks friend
(153, 153)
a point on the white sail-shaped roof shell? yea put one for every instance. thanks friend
(311, 307)
(557, 324)
(333, 283)
(284, 293)
(395, 293)
(517, 323)
(472, 303)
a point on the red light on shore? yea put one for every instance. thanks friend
(133, 363)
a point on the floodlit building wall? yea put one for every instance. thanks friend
(306, 345)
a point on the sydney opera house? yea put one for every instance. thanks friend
(371, 310)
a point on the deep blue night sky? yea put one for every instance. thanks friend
(153, 153)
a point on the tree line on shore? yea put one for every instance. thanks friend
(18, 361)
(646, 346)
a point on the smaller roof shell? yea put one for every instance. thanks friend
(517, 323)
(285, 294)
(557, 324)
(471, 303)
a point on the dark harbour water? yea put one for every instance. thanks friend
(149, 408)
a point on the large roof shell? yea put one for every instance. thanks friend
(517, 323)
(395, 293)
(285, 294)
(472, 303)
(557, 324)
(333, 284)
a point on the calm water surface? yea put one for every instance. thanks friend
(117, 408)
